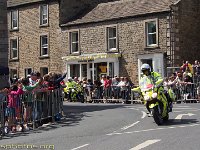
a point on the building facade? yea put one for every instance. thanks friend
(34, 37)
(103, 37)
(3, 45)
(116, 38)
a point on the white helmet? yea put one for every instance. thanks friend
(145, 67)
(69, 78)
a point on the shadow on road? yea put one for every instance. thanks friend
(181, 122)
(75, 113)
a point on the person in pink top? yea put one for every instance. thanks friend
(13, 105)
(13, 96)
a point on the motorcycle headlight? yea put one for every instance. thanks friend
(146, 97)
(154, 95)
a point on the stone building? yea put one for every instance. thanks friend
(101, 37)
(35, 37)
(117, 37)
(3, 45)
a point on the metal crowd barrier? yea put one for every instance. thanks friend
(111, 94)
(187, 92)
(30, 110)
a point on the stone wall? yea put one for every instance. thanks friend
(188, 35)
(131, 37)
(3, 41)
(29, 40)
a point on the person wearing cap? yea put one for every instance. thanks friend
(33, 78)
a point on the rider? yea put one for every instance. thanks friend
(153, 78)
(70, 84)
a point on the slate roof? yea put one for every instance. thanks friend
(123, 9)
(13, 3)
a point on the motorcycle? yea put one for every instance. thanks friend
(70, 94)
(73, 95)
(153, 98)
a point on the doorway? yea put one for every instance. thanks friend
(148, 61)
(156, 61)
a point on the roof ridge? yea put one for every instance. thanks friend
(115, 2)
(13, 3)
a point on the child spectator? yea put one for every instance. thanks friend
(28, 99)
(13, 105)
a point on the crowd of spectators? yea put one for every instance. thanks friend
(103, 88)
(184, 81)
(33, 83)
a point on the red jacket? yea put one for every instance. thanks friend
(13, 98)
(107, 83)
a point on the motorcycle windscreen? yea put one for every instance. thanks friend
(145, 84)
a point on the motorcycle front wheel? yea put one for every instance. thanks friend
(157, 116)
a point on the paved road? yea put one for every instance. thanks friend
(115, 127)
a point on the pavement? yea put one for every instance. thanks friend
(113, 127)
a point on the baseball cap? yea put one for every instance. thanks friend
(33, 74)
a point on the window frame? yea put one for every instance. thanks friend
(76, 42)
(12, 20)
(42, 71)
(146, 22)
(41, 45)
(16, 49)
(26, 71)
(113, 38)
(42, 18)
(12, 72)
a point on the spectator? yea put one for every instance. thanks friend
(96, 91)
(115, 87)
(33, 78)
(14, 79)
(103, 78)
(45, 83)
(76, 79)
(13, 107)
(55, 79)
(28, 103)
(184, 66)
(196, 67)
(122, 86)
(107, 87)
(27, 86)
(187, 76)
(127, 89)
